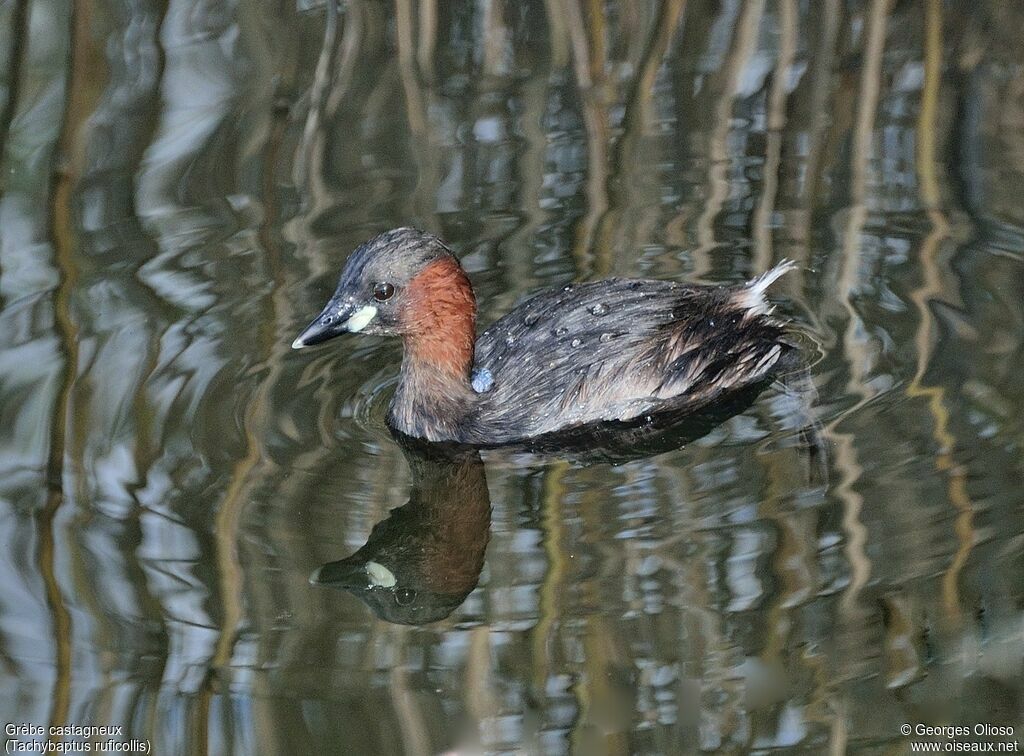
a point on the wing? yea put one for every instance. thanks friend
(616, 350)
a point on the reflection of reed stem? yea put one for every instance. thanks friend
(493, 39)
(846, 453)
(665, 27)
(423, 200)
(46, 517)
(427, 40)
(839, 735)
(598, 46)
(225, 532)
(594, 693)
(743, 46)
(68, 158)
(697, 599)
(410, 719)
(551, 587)
(931, 200)
(791, 564)
(590, 81)
(715, 645)
(227, 522)
(592, 690)
(776, 123)
(867, 106)
(902, 662)
(407, 62)
(479, 694)
(855, 530)
(258, 415)
(558, 31)
(329, 87)
(577, 29)
(634, 125)
(817, 114)
(530, 183)
(305, 170)
(793, 558)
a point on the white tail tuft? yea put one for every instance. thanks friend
(751, 296)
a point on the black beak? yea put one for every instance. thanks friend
(335, 319)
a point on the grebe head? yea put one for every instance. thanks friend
(384, 283)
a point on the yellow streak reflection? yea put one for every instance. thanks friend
(81, 92)
(931, 198)
(846, 452)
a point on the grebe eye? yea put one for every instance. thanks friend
(383, 291)
(404, 596)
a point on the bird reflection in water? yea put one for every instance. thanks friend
(423, 560)
(421, 563)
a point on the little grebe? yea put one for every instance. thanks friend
(611, 351)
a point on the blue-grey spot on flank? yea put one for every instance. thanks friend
(482, 380)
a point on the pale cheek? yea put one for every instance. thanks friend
(361, 318)
(380, 575)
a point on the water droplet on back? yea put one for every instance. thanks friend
(560, 331)
(576, 342)
(606, 337)
(530, 319)
(598, 309)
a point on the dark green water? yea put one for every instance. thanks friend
(181, 182)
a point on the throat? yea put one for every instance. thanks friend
(439, 321)
(438, 361)
(444, 351)
(434, 397)
(434, 391)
